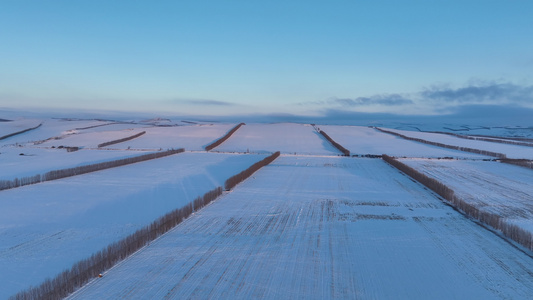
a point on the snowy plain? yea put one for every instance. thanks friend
(192, 137)
(502, 189)
(365, 140)
(322, 228)
(36, 152)
(511, 151)
(41, 160)
(89, 139)
(287, 138)
(311, 225)
(50, 128)
(47, 227)
(11, 127)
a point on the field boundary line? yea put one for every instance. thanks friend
(512, 231)
(223, 138)
(19, 132)
(129, 138)
(338, 146)
(86, 270)
(69, 172)
(464, 149)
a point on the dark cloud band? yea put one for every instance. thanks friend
(202, 102)
(488, 93)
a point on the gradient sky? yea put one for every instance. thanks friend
(298, 57)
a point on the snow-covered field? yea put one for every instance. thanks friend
(40, 160)
(494, 128)
(323, 228)
(46, 227)
(284, 137)
(90, 133)
(50, 128)
(518, 132)
(511, 151)
(11, 127)
(36, 152)
(192, 137)
(90, 139)
(502, 189)
(365, 140)
(311, 225)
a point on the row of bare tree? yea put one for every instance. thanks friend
(518, 162)
(121, 140)
(512, 231)
(58, 174)
(492, 140)
(236, 179)
(83, 271)
(223, 139)
(19, 132)
(465, 149)
(9, 184)
(344, 151)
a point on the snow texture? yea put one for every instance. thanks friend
(323, 228)
(41, 160)
(312, 225)
(192, 137)
(511, 151)
(503, 189)
(365, 140)
(287, 138)
(47, 227)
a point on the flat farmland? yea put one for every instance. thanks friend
(287, 138)
(41, 160)
(190, 137)
(47, 227)
(511, 151)
(365, 140)
(502, 189)
(90, 139)
(11, 127)
(50, 128)
(323, 228)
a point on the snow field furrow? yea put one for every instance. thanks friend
(290, 232)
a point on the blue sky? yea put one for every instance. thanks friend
(240, 57)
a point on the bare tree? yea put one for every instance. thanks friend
(224, 138)
(121, 140)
